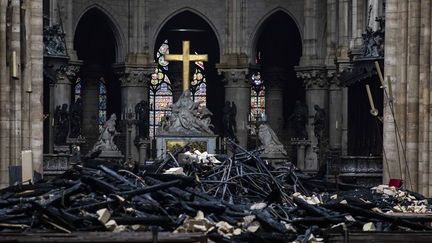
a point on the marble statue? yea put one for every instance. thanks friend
(269, 142)
(105, 141)
(187, 118)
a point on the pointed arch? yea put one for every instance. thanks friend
(179, 11)
(120, 40)
(258, 29)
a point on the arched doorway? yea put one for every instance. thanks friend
(190, 26)
(278, 49)
(99, 89)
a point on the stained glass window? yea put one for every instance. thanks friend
(257, 98)
(160, 91)
(102, 103)
(198, 85)
(77, 89)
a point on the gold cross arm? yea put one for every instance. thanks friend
(185, 57)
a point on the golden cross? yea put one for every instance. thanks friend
(186, 58)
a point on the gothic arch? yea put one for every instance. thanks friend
(181, 10)
(120, 40)
(256, 33)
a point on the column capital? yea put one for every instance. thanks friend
(134, 75)
(313, 77)
(235, 77)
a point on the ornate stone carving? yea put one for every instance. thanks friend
(54, 41)
(133, 77)
(187, 118)
(373, 41)
(270, 143)
(105, 142)
(234, 76)
(313, 78)
(67, 72)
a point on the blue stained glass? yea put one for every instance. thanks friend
(102, 104)
(160, 90)
(77, 89)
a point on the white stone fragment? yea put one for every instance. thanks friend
(369, 227)
(258, 206)
(103, 215)
(175, 171)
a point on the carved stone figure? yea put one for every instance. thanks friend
(228, 119)
(300, 118)
(373, 41)
(61, 124)
(269, 142)
(106, 138)
(142, 114)
(187, 117)
(319, 123)
(54, 42)
(76, 114)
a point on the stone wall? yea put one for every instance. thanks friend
(21, 97)
(407, 141)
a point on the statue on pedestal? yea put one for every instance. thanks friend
(106, 138)
(270, 143)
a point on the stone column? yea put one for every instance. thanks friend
(90, 75)
(274, 82)
(66, 75)
(335, 114)
(237, 90)
(316, 84)
(134, 88)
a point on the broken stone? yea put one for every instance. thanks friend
(103, 215)
(175, 171)
(369, 227)
(111, 225)
(258, 206)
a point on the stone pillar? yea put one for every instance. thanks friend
(316, 84)
(274, 82)
(134, 88)
(335, 114)
(66, 75)
(237, 90)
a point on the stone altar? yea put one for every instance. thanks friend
(188, 124)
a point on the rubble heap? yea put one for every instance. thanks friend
(239, 197)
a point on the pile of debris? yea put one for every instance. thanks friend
(239, 197)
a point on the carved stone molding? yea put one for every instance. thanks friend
(67, 73)
(134, 76)
(313, 78)
(235, 77)
(54, 41)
